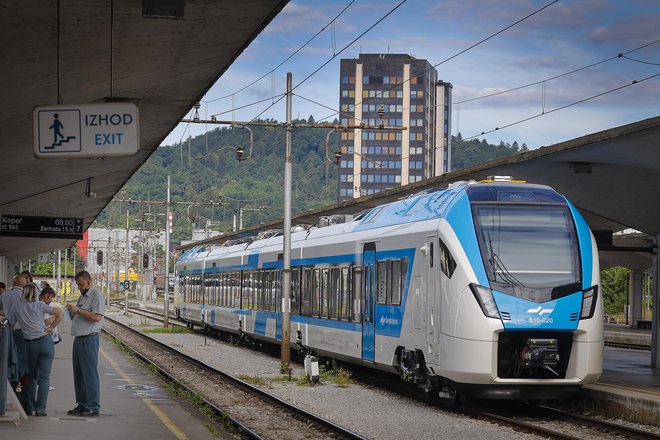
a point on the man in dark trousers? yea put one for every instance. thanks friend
(86, 322)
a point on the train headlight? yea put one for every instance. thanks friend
(486, 301)
(589, 297)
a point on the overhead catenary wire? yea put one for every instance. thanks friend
(457, 54)
(330, 23)
(634, 82)
(640, 61)
(579, 69)
(391, 11)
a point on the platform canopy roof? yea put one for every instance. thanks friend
(160, 55)
(612, 177)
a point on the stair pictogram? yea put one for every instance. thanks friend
(59, 144)
(56, 127)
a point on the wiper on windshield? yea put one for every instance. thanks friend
(497, 265)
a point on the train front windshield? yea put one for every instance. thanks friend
(527, 246)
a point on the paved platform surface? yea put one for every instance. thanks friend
(133, 404)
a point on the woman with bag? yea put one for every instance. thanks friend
(40, 349)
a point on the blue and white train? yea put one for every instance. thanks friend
(483, 289)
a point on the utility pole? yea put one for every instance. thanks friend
(286, 269)
(166, 307)
(126, 263)
(286, 254)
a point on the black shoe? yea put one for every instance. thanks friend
(86, 413)
(75, 411)
(36, 414)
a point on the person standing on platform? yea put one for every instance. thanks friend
(40, 349)
(8, 301)
(86, 322)
(46, 296)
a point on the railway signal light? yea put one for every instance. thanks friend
(145, 261)
(99, 258)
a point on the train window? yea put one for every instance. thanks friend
(272, 297)
(207, 287)
(345, 300)
(447, 262)
(247, 290)
(325, 291)
(382, 282)
(224, 289)
(316, 292)
(306, 292)
(295, 290)
(256, 291)
(262, 279)
(232, 288)
(394, 296)
(236, 283)
(357, 293)
(334, 297)
(215, 289)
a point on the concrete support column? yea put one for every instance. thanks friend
(655, 326)
(636, 296)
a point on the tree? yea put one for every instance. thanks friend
(614, 285)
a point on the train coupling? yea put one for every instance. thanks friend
(541, 353)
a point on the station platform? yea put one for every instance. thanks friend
(133, 404)
(628, 388)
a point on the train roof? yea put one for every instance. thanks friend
(427, 205)
(430, 205)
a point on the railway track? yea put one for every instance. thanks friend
(253, 412)
(642, 347)
(541, 420)
(554, 423)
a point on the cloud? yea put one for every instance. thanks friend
(628, 33)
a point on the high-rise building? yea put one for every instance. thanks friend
(392, 90)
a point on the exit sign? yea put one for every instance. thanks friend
(86, 130)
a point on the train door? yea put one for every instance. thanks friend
(368, 300)
(431, 280)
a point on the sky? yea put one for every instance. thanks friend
(565, 36)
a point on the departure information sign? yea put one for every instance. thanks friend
(45, 227)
